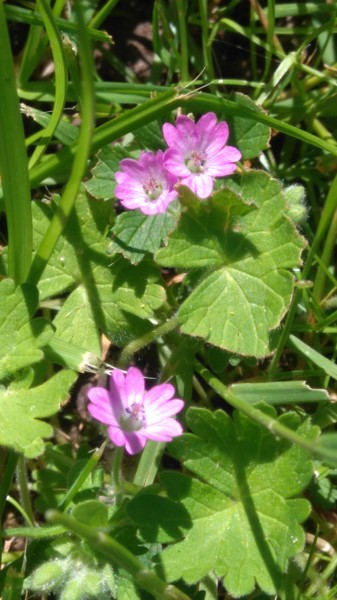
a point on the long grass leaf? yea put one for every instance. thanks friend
(65, 208)
(60, 80)
(13, 165)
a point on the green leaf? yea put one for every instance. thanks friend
(245, 519)
(166, 522)
(137, 290)
(46, 577)
(65, 132)
(203, 238)
(20, 411)
(92, 513)
(62, 269)
(248, 291)
(102, 183)
(279, 392)
(247, 134)
(115, 298)
(328, 366)
(326, 448)
(117, 301)
(70, 320)
(21, 337)
(150, 137)
(136, 235)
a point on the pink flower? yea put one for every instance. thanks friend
(197, 152)
(134, 415)
(145, 183)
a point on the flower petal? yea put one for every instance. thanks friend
(134, 386)
(160, 413)
(158, 394)
(164, 432)
(181, 136)
(205, 128)
(118, 394)
(218, 139)
(102, 412)
(117, 435)
(200, 183)
(132, 168)
(174, 163)
(134, 442)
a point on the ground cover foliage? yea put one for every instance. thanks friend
(221, 294)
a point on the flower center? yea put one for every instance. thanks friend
(196, 161)
(134, 419)
(152, 188)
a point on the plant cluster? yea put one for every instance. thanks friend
(168, 303)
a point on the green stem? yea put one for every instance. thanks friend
(67, 203)
(13, 165)
(84, 474)
(149, 464)
(330, 243)
(102, 14)
(114, 552)
(108, 132)
(24, 491)
(6, 482)
(255, 414)
(327, 216)
(116, 469)
(206, 46)
(145, 340)
(284, 335)
(181, 9)
(20, 510)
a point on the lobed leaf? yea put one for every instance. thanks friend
(136, 235)
(246, 133)
(244, 515)
(21, 411)
(248, 291)
(102, 183)
(21, 336)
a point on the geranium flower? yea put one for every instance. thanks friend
(145, 183)
(134, 415)
(197, 152)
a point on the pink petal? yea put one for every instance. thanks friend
(98, 395)
(183, 139)
(174, 163)
(206, 125)
(226, 155)
(102, 413)
(158, 394)
(116, 435)
(134, 386)
(226, 169)
(220, 165)
(157, 207)
(134, 203)
(200, 183)
(134, 442)
(170, 134)
(118, 395)
(218, 140)
(164, 432)
(129, 191)
(132, 168)
(160, 413)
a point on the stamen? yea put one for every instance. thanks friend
(196, 161)
(152, 188)
(135, 419)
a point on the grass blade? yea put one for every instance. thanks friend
(13, 165)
